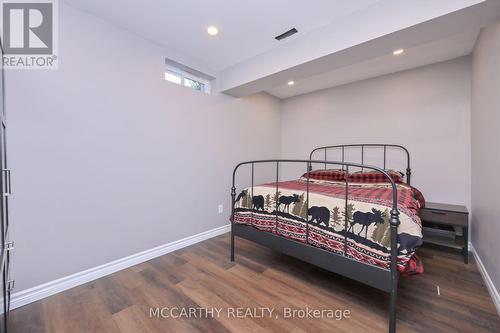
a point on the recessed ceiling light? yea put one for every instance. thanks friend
(291, 83)
(398, 52)
(212, 30)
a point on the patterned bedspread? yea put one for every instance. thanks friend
(367, 214)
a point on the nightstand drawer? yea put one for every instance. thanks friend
(444, 217)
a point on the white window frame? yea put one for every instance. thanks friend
(185, 75)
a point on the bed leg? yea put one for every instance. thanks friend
(394, 223)
(232, 246)
(233, 194)
(392, 312)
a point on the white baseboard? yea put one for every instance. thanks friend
(36, 293)
(495, 296)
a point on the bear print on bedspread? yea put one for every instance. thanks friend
(367, 225)
(283, 213)
(365, 219)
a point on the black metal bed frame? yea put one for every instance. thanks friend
(377, 277)
(362, 146)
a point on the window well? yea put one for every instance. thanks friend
(188, 77)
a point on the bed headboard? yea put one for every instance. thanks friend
(362, 146)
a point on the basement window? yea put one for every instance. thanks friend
(187, 77)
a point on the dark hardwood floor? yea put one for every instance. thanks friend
(202, 276)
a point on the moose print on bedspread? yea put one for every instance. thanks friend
(366, 219)
(325, 221)
(287, 200)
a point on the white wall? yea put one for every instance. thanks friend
(425, 109)
(109, 159)
(486, 149)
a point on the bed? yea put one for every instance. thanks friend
(354, 219)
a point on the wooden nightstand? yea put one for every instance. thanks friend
(447, 215)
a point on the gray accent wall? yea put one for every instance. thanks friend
(109, 159)
(485, 131)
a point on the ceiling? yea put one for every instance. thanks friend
(417, 56)
(246, 28)
(339, 41)
(335, 55)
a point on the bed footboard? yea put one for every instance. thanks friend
(370, 275)
(383, 279)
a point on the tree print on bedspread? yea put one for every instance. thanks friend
(322, 221)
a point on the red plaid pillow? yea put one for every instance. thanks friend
(373, 176)
(327, 174)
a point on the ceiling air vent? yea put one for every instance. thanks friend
(284, 35)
